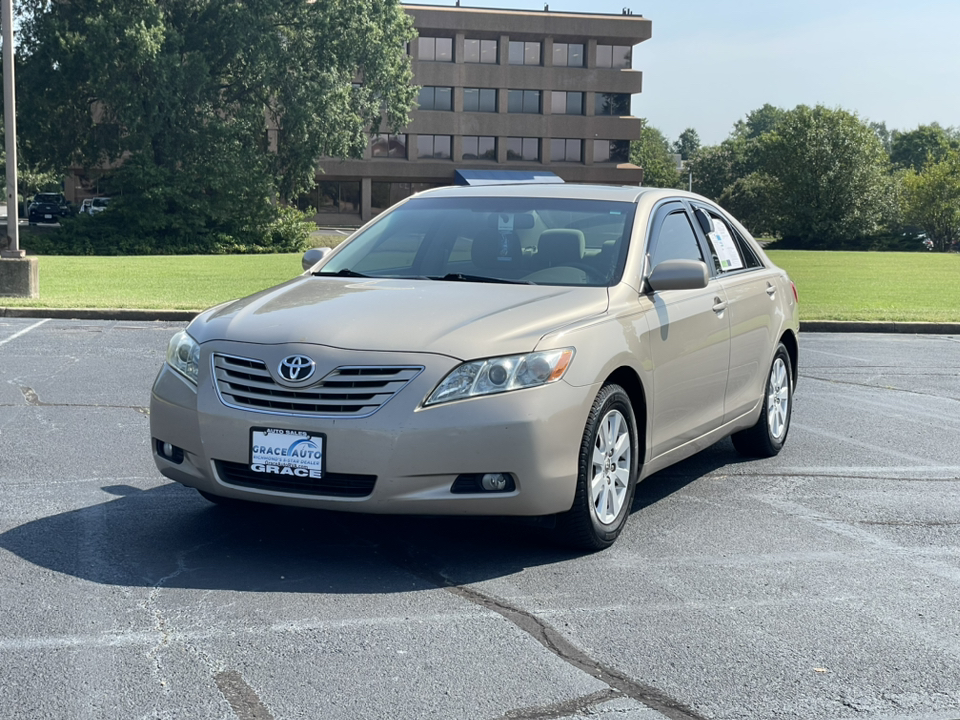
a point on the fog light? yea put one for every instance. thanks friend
(479, 483)
(494, 482)
(169, 451)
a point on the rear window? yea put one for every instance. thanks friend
(545, 241)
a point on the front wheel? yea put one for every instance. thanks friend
(766, 438)
(607, 474)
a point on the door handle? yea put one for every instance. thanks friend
(719, 305)
(771, 290)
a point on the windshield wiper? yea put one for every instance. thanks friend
(460, 277)
(343, 272)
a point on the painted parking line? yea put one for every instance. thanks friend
(17, 334)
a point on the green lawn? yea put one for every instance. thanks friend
(873, 285)
(832, 285)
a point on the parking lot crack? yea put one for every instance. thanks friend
(834, 381)
(552, 640)
(32, 399)
(565, 709)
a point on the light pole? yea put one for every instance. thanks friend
(10, 130)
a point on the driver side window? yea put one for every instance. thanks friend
(676, 240)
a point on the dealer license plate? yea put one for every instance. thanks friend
(287, 452)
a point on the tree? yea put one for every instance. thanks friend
(759, 122)
(931, 200)
(211, 109)
(831, 176)
(687, 144)
(652, 153)
(915, 148)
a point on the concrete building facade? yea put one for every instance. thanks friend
(501, 90)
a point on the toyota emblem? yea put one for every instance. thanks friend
(296, 368)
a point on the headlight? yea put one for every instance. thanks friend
(502, 374)
(183, 355)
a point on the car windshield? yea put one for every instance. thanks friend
(543, 241)
(48, 198)
(100, 202)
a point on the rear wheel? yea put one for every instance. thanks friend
(607, 474)
(766, 438)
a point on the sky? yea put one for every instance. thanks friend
(709, 63)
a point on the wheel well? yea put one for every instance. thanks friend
(789, 341)
(627, 378)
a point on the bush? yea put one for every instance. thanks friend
(124, 230)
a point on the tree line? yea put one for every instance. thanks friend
(821, 178)
(202, 117)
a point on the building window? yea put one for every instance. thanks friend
(524, 53)
(480, 51)
(612, 104)
(388, 146)
(523, 149)
(435, 49)
(523, 101)
(566, 103)
(613, 56)
(611, 151)
(331, 197)
(435, 98)
(568, 54)
(434, 146)
(479, 147)
(565, 150)
(385, 194)
(479, 100)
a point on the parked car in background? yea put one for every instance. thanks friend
(98, 205)
(48, 207)
(85, 207)
(525, 350)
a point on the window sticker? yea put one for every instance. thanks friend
(724, 247)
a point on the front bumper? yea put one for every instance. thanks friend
(415, 453)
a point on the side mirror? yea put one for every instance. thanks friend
(679, 275)
(314, 255)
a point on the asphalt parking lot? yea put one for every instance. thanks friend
(819, 584)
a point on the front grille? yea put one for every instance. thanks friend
(331, 484)
(345, 392)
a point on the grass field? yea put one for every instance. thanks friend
(832, 285)
(898, 287)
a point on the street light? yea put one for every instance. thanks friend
(10, 127)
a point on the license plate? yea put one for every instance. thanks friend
(48, 217)
(287, 452)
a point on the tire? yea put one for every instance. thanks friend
(766, 438)
(606, 474)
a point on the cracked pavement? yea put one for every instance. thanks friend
(818, 584)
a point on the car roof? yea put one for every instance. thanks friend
(614, 193)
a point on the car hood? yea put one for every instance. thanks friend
(460, 319)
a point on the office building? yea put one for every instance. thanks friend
(502, 90)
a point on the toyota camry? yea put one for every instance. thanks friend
(522, 350)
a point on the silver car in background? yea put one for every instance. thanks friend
(524, 350)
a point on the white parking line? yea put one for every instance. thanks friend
(23, 332)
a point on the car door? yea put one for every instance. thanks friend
(689, 340)
(752, 303)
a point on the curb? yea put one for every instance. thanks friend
(99, 314)
(857, 326)
(817, 326)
